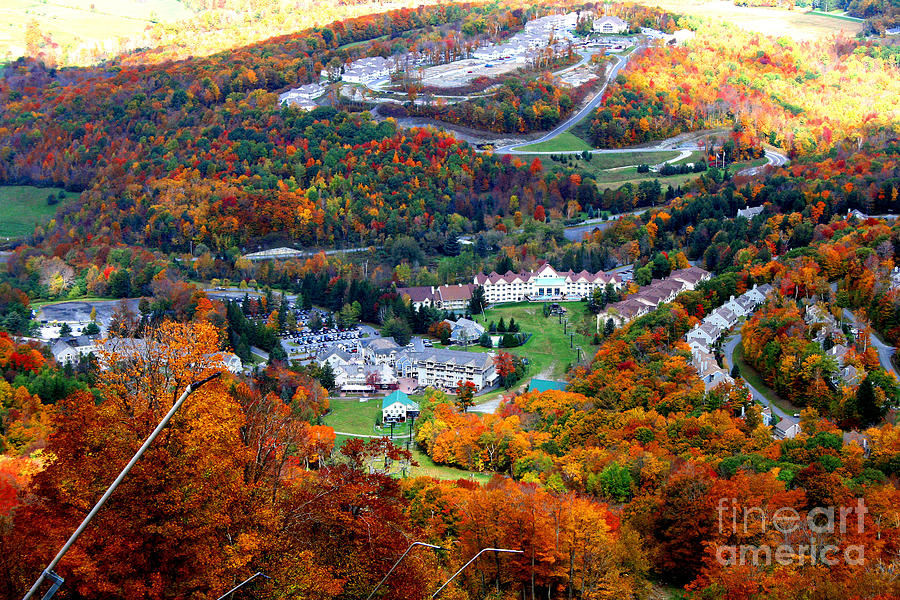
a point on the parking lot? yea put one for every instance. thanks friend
(462, 72)
(306, 344)
(78, 315)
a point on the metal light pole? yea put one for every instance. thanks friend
(242, 584)
(434, 595)
(402, 556)
(48, 572)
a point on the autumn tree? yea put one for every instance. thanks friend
(184, 503)
(465, 395)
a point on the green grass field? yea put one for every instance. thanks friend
(836, 15)
(428, 468)
(564, 142)
(775, 22)
(353, 416)
(597, 167)
(547, 350)
(23, 206)
(362, 42)
(69, 22)
(665, 182)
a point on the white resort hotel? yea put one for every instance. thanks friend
(544, 284)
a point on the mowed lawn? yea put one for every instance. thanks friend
(599, 164)
(564, 142)
(23, 206)
(547, 350)
(634, 178)
(353, 416)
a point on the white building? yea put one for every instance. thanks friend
(544, 284)
(307, 92)
(786, 429)
(232, 362)
(722, 317)
(70, 350)
(709, 371)
(748, 213)
(357, 377)
(443, 368)
(610, 24)
(758, 293)
(465, 331)
(397, 407)
(335, 357)
(704, 334)
(379, 350)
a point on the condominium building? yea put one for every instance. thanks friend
(544, 284)
(453, 298)
(441, 368)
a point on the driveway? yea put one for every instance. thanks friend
(489, 407)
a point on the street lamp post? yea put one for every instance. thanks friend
(402, 556)
(48, 572)
(482, 551)
(242, 584)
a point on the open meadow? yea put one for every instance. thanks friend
(776, 22)
(23, 206)
(89, 21)
(548, 349)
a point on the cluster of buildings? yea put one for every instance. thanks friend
(452, 298)
(827, 327)
(537, 33)
(544, 284)
(381, 363)
(368, 69)
(702, 337)
(541, 285)
(71, 350)
(651, 296)
(302, 97)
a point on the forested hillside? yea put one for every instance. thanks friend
(802, 96)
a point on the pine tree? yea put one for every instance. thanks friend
(867, 404)
(609, 327)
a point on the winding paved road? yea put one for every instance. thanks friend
(578, 116)
(775, 158)
(885, 351)
(728, 349)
